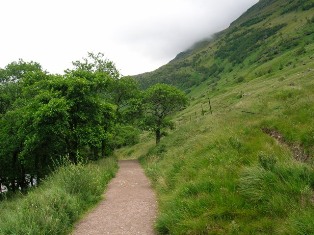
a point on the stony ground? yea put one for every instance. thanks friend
(129, 206)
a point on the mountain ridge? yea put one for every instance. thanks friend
(265, 31)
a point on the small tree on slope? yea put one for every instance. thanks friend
(160, 101)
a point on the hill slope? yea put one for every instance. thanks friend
(247, 167)
(267, 31)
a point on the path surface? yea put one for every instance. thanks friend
(129, 206)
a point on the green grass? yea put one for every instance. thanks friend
(132, 152)
(59, 202)
(221, 174)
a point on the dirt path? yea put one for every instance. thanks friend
(129, 206)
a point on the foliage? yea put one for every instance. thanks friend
(45, 117)
(125, 94)
(224, 176)
(124, 135)
(297, 5)
(254, 21)
(96, 63)
(10, 76)
(160, 101)
(214, 174)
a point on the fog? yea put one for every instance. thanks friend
(138, 35)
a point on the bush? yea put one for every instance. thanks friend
(125, 136)
(240, 79)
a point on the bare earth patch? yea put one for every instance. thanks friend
(129, 206)
(298, 152)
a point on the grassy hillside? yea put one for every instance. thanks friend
(267, 31)
(247, 167)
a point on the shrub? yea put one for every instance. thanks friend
(125, 136)
(240, 79)
(157, 150)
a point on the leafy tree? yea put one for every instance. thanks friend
(104, 76)
(32, 133)
(15, 71)
(96, 63)
(14, 122)
(10, 79)
(123, 96)
(83, 114)
(126, 95)
(160, 101)
(51, 117)
(89, 116)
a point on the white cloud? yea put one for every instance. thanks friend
(138, 35)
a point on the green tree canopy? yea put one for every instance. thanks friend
(96, 63)
(10, 81)
(83, 114)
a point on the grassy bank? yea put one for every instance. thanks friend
(224, 174)
(241, 160)
(59, 201)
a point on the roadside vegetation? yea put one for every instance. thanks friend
(57, 137)
(61, 200)
(82, 115)
(46, 118)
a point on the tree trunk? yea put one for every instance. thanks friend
(14, 171)
(73, 157)
(103, 148)
(73, 148)
(38, 170)
(22, 183)
(95, 152)
(32, 180)
(158, 136)
(13, 185)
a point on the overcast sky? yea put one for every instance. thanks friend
(138, 35)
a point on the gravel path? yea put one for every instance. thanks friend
(129, 206)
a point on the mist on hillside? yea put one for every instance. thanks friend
(137, 35)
